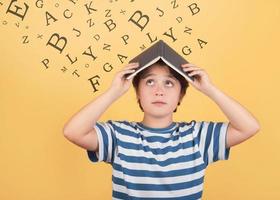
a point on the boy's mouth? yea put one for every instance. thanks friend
(158, 103)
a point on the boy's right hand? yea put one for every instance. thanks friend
(120, 84)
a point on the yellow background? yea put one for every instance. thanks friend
(241, 57)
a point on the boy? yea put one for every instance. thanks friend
(158, 158)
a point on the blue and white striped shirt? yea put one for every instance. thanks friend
(159, 163)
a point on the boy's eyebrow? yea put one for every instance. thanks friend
(151, 74)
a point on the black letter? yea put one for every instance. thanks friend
(72, 61)
(107, 47)
(90, 53)
(17, 9)
(170, 35)
(151, 40)
(187, 30)
(55, 45)
(41, 5)
(46, 62)
(64, 14)
(95, 83)
(141, 16)
(79, 32)
(107, 70)
(183, 50)
(194, 7)
(108, 25)
(161, 11)
(89, 8)
(200, 42)
(125, 38)
(121, 57)
(49, 16)
(179, 19)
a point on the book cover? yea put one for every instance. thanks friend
(160, 50)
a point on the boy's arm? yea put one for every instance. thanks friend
(242, 124)
(79, 128)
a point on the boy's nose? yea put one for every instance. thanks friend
(159, 94)
(159, 91)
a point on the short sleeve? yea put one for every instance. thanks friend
(211, 139)
(106, 143)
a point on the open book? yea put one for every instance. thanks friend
(160, 50)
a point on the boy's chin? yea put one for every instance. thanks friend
(159, 113)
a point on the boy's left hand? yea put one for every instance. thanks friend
(201, 81)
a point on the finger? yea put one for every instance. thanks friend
(126, 71)
(130, 68)
(187, 65)
(131, 65)
(192, 69)
(193, 73)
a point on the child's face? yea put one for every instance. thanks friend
(159, 85)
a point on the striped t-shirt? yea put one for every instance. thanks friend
(159, 163)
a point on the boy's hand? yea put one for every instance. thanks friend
(201, 81)
(120, 84)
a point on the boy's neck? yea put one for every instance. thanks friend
(157, 122)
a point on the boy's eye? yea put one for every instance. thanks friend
(169, 83)
(150, 82)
